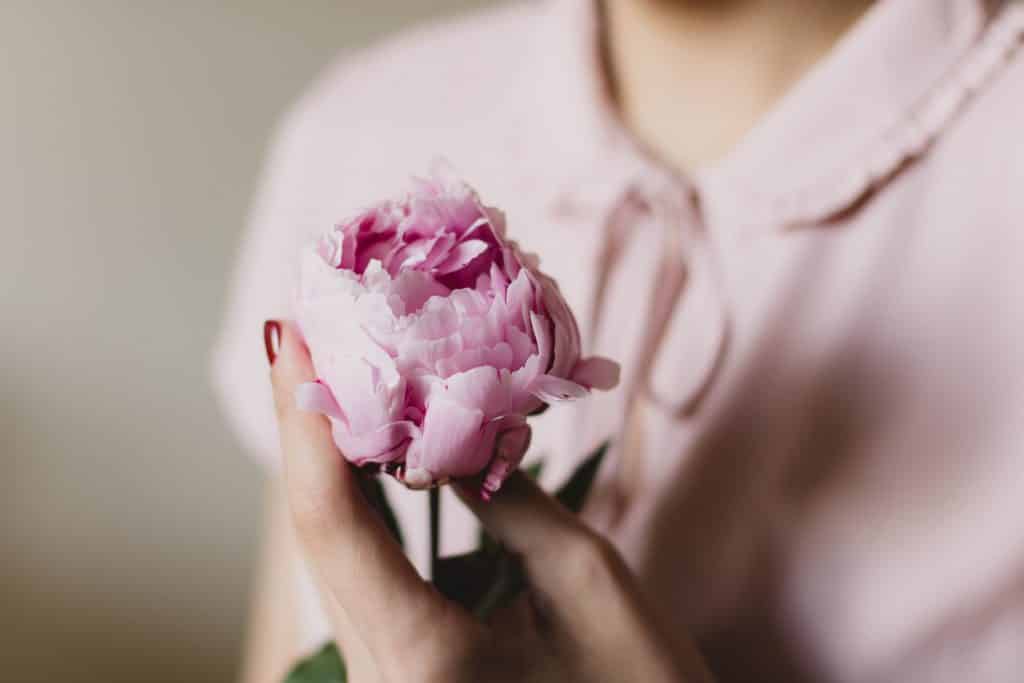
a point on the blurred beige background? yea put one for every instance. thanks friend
(131, 134)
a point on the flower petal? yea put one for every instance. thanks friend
(461, 255)
(597, 372)
(549, 388)
(542, 333)
(381, 445)
(450, 445)
(480, 388)
(315, 397)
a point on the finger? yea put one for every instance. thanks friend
(559, 550)
(518, 617)
(584, 584)
(582, 581)
(348, 545)
(521, 515)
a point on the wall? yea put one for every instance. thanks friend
(131, 134)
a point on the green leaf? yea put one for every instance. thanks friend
(325, 666)
(373, 489)
(534, 471)
(574, 492)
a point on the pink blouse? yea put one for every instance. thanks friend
(819, 441)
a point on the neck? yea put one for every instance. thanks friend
(691, 77)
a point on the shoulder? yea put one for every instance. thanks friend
(983, 149)
(965, 195)
(421, 74)
(457, 88)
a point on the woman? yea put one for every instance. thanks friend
(798, 226)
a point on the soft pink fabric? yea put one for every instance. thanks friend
(433, 336)
(820, 430)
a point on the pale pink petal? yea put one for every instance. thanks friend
(520, 297)
(326, 302)
(416, 354)
(346, 256)
(551, 389)
(542, 333)
(523, 380)
(512, 261)
(461, 361)
(597, 372)
(461, 255)
(566, 349)
(314, 397)
(468, 302)
(415, 289)
(522, 345)
(437, 320)
(422, 253)
(497, 319)
(330, 247)
(500, 356)
(419, 385)
(496, 217)
(498, 280)
(381, 445)
(481, 388)
(365, 393)
(450, 445)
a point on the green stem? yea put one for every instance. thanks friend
(435, 535)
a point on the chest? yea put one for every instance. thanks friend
(811, 434)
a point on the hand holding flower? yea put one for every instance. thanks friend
(582, 618)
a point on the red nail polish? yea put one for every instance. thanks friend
(272, 339)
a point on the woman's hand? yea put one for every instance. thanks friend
(581, 620)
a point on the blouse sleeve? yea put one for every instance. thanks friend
(282, 219)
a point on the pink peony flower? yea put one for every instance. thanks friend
(433, 337)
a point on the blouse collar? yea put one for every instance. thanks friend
(882, 94)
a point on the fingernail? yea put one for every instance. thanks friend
(272, 339)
